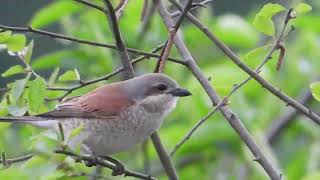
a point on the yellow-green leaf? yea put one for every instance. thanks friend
(17, 69)
(4, 36)
(264, 25)
(68, 76)
(16, 42)
(36, 95)
(315, 89)
(29, 53)
(302, 8)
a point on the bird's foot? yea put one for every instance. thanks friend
(119, 168)
(92, 162)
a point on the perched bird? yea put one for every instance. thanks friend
(115, 117)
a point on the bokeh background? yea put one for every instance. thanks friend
(215, 151)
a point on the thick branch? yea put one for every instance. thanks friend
(234, 121)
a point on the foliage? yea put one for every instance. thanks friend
(221, 152)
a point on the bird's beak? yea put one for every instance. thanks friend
(180, 92)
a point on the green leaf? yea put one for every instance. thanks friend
(264, 25)
(16, 42)
(254, 56)
(270, 9)
(76, 132)
(4, 36)
(53, 12)
(36, 95)
(53, 76)
(17, 69)
(29, 52)
(4, 107)
(302, 8)
(68, 76)
(312, 176)
(315, 89)
(263, 20)
(18, 88)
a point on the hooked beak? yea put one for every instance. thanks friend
(179, 92)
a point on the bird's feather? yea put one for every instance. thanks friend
(104, 102)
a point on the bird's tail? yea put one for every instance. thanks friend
(33, 120)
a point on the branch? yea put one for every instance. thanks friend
(172, 32)
(8, 162)
(233, 120)
(119, 10)
(78, 40)
(196, 126)
(164, 157)
(195, 6)
(106, 77)
(103, 163)
(234, 57)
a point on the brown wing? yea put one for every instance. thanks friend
(104, 102)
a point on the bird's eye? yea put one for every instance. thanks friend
(161, 87)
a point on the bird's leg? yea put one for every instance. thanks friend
(94, 158)
(119, 168)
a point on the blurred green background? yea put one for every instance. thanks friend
(215, 151)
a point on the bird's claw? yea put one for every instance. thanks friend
(118, 169)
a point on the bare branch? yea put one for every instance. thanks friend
(77, 40)
(234, 121)
(236, 59)
(16, 160)
(119, 10)
(172, 32)
(197, 125)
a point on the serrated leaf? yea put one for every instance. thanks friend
(4, 36)
(17, 69)
(270, 9)
(53, 12)
(264, 25)
(18, 88)
(36, 95)
(76, 132)
(29, 53)
(16, 42)
(68, 76)
(315, 89)
(53, 76)
(302, 8)
(17, 110)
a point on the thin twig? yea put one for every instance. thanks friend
(78, 40)
(119, 11)
(195, 6)
(172, 32)
(17, 159)
(233, 120)
(90, 4)
(197, 125)
(236, 59)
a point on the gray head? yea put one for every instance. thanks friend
(153, 84)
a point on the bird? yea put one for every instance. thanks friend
(114, 117)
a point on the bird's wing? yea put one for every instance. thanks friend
(104, 102)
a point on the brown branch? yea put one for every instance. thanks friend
(197, 125)
(78, 40)
(195, 6)
(172, 32)
(8, 162)
(233, 120)
(236, 59)
(164, 157)
(90, 4)
(103, 163)
(122, 50)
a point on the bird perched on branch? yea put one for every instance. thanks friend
(115, 117)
